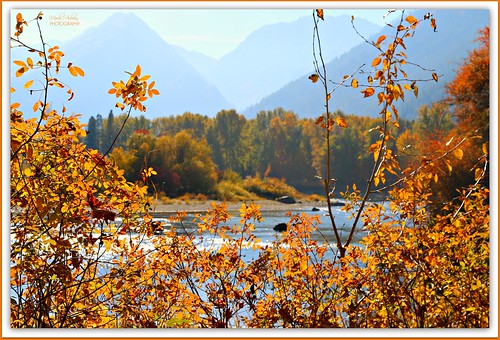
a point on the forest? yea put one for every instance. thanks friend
(83, 247)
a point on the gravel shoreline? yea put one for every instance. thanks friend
(232, 207)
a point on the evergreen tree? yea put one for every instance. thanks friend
(92, 138)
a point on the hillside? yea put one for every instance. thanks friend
(443, 51)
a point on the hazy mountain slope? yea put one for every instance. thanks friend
(276, 54)
(443, 51)
(119, 44)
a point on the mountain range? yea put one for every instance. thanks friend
(441, 51)
(268, 69)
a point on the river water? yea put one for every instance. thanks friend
(265, 233)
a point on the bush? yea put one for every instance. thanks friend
(231, 191)
(269, 187)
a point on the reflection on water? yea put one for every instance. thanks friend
(265, 233)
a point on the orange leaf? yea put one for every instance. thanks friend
(376, 61)
(20, 63)
(36, 106)
(319, 13)
(72, 71)
(354, 83)
(368, 92)
(79, 71)
(433, 24)
(380, 39)
(411, 20)
(435, 76)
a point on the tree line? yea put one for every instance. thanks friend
(191, 152)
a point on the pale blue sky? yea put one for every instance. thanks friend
(212, 31)
(212, 28)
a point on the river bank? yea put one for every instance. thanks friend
(233, 207)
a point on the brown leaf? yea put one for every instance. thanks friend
(314, 77)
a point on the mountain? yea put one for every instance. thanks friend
(443, 50)
(276, 54)
(201, 62)
(118, 45)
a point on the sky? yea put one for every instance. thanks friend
(212, 30)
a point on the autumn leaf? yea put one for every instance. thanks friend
(314, 77)
(354, 83)
(37, 105)
(434, 76)
(319, 13)
(458, 153)
(478, 173)
(28, 84)
(411, 20)
(341, 122)
(368, 92)
(376, 61)
(380, 39)
(433, 24)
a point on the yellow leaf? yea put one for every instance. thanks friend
(485, 148)
(380, 97)
(459, 153)
(28, 84)
(354, 83)
(376, 61)
(370, 80)
(30, 62)
(448, 164)
(477, 174)
(341, 122)
(314, 77)
(19, 63)
(328, 96)
(14, 106)
(12, 89)
(27, 172)
(435, 76)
